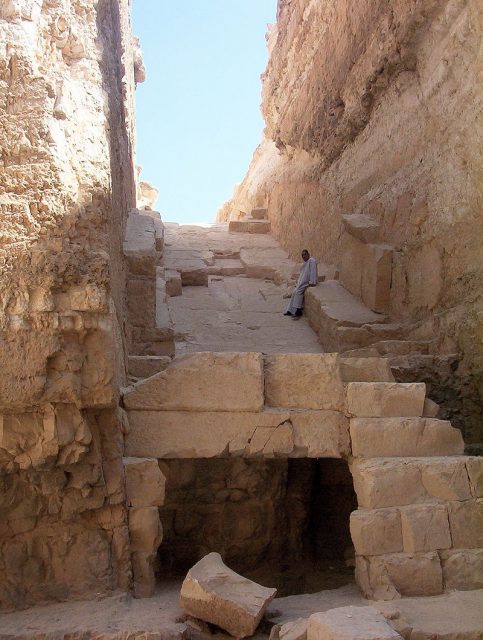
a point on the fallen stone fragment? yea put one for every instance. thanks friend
(350, 623)
(214, 593)
(292, 630)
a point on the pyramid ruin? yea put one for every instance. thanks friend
(158, 408)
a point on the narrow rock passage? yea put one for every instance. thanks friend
(241, 308)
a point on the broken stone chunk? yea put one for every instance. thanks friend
(214, 593)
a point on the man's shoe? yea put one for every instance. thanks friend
(287, 313)
(298, 313)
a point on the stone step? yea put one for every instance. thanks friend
(249, 225)
(366, 369)
(190, 263)
(396, 437)
(400, 481)
(362, 227)
(339, 318)
(259, 213)
(226, 267)
(401, 347)
(139, 246)
(385, 399)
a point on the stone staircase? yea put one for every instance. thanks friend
(256, 222)
(418, 526)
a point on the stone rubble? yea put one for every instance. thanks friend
(214, 593)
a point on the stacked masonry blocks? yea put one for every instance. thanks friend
(418, 527)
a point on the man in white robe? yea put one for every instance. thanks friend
(308, 278)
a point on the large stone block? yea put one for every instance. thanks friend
(361, 226)
(140, 244)
(305, 381)
(445, 478)
(174, 286)
(385, 399)
(203, 382)
(386, 437)
(474, 467)
(425, 528)
(388, 576)
(352, 264)
(205, 434)
(366, 370)
(386, 483)
(350, 623)
(375, 532)
(216, 594)
(320, 434)
(462, 568)
(376, 276)
(466, 523)
(145, 482)
(144, 579)
(145, 530)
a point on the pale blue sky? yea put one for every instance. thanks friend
(198, 113)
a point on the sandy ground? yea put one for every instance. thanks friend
(453, 616)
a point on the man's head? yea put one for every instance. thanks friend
(305, 255)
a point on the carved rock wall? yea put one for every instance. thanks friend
(66, 184)
(371, 107)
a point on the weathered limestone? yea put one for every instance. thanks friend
(365, 370)
(278, 433)
(309, 381)
(388, 576)
(381, 399)
(386, 437)
(214, 593)
(462, 568)
(139, 245)
(145, 483)
(375, 532)
(174, 285)
(292, 630)
(387, 482)
(350, 623)
(235, 383)
(189, 263)
(362, 227)
(425, 528)
(146, 366)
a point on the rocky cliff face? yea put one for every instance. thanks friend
(371, 107)
(66, 86)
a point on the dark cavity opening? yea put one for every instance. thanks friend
(283, 523)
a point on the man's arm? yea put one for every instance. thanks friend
(313, 277)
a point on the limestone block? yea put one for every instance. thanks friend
(320, 434)
(158, 223)
(362, 227)
(190, 264)
(216, 594)
(259, 213)
(366, 370)
(292, 630)
(144, 580)
(425, 528)
(239, 226)
(258, 226)
(385, 482)
(474, 466)
(141, 301)
(146, 366)
(466, 523)
(145, 531)
(375, 532)
(205, 434)
(381, 399)
(140, 244)
(145, 482)
(174, 286)
(308, 380)
(462, 568)
(386, 437)
(234, 383)
(350, 623)
(376, 276)
(445, 478)
(388, 576)
(352, 264)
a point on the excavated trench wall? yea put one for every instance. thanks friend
(67, 182)
(371, 107)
